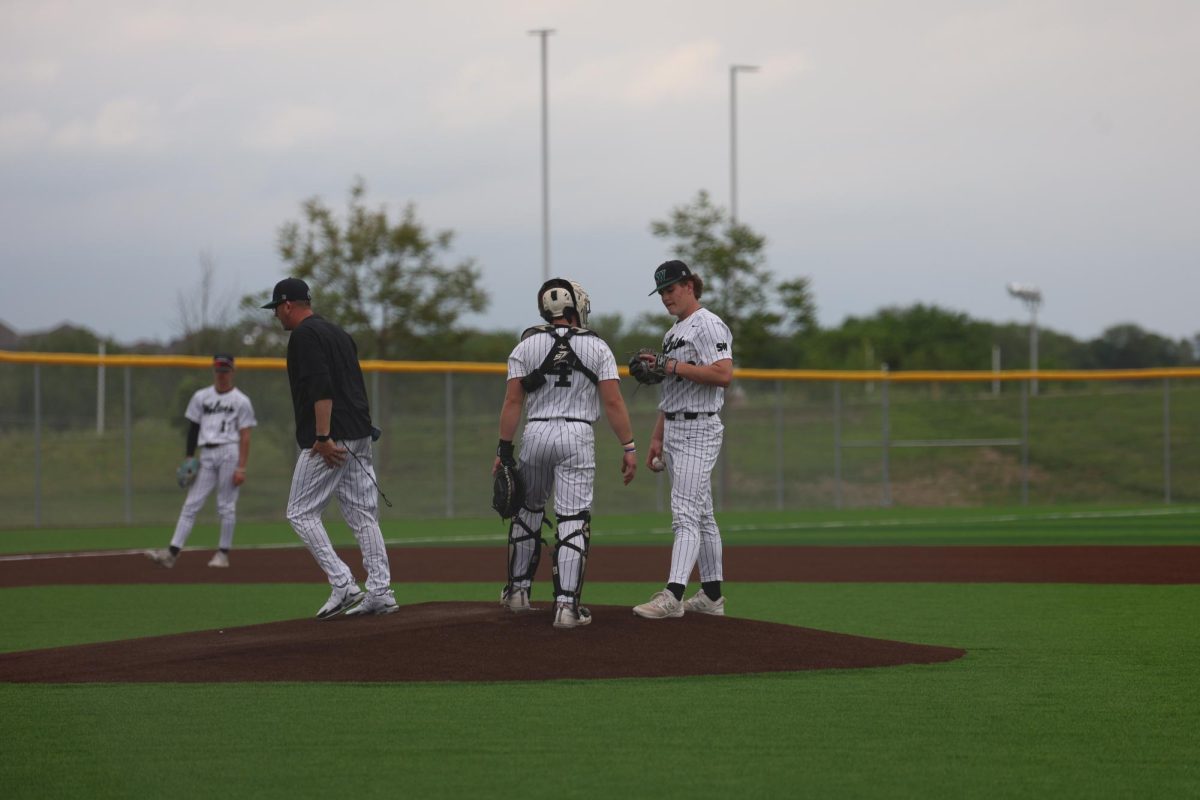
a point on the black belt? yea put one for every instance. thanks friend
(567, 419)
(674, 415)
(218, 444)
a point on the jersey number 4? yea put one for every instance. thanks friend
(563, 373)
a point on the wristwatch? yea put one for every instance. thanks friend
(322, 438)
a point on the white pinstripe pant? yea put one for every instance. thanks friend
(313, 484)
(560, 456)
(216, 472)
(690, 449)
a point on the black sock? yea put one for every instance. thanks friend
(676, 589)
(712, 589)
(174, 550)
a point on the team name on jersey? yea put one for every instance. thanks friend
(672, 343)
(217, 408)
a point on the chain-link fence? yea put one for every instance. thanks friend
(93, 441)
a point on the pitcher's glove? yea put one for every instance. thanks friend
(185, 476)
(641, 371)
(508, 490)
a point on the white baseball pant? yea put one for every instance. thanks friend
(313, 484)
(560, 456)
(216, 472)
(690, 449)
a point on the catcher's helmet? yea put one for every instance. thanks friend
(559, 294)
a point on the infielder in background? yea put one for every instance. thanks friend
(697, 356)
(334, 432)
(561, 373)
(219, 421)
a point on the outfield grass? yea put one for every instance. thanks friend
(1082, 524)
(1066, 691)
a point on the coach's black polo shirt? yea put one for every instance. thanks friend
(322, 364)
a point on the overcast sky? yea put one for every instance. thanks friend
(894, 152)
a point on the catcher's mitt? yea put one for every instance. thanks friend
(641, 371)
(185, 476)
(508, 491)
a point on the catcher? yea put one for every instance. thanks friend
(219, 421)
(562, 373)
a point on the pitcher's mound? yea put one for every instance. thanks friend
(462, 641)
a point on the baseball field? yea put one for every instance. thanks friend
(884, 653)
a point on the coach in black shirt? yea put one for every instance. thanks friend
(333, 430)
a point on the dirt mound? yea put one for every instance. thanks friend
(462, 641)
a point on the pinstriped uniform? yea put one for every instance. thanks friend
(314, 485)
(558, 454)
(221, 417)
(691, 446)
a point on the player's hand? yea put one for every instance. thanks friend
(495, 466)
(628, 467)
(239, 476)
(330, 453)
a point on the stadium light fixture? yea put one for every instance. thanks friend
(1031, 296)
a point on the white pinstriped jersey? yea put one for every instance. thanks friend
(564, 395)
(701, 338)
(220, 416)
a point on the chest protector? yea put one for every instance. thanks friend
(561, 360)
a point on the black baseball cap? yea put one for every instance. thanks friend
(223, 362)
(289, 290)
(669, 272)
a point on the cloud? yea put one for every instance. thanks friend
(684, 71)
(293, 126)
(37, 72)
(21, 130)
(121, 124)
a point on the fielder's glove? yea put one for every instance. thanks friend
(508, 490)
(641, 371)
(185, 476)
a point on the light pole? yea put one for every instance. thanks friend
(733, 71)
(542, 33)
(1031, 296)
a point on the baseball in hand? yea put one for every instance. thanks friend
(657, 464)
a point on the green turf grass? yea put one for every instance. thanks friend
(1067, 691)
(942, 526)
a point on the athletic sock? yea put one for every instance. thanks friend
(676, 589)
(712, 589)
(174, 550)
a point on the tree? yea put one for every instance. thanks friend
(1129, 346)
(384, 282)
(729, 257)
(205, 319)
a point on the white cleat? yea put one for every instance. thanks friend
(164, 558)
(661, 606)
(384, 603)
(566, 616)
(341, 600)
(515, 600)
(699, 603)
(219, 559)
